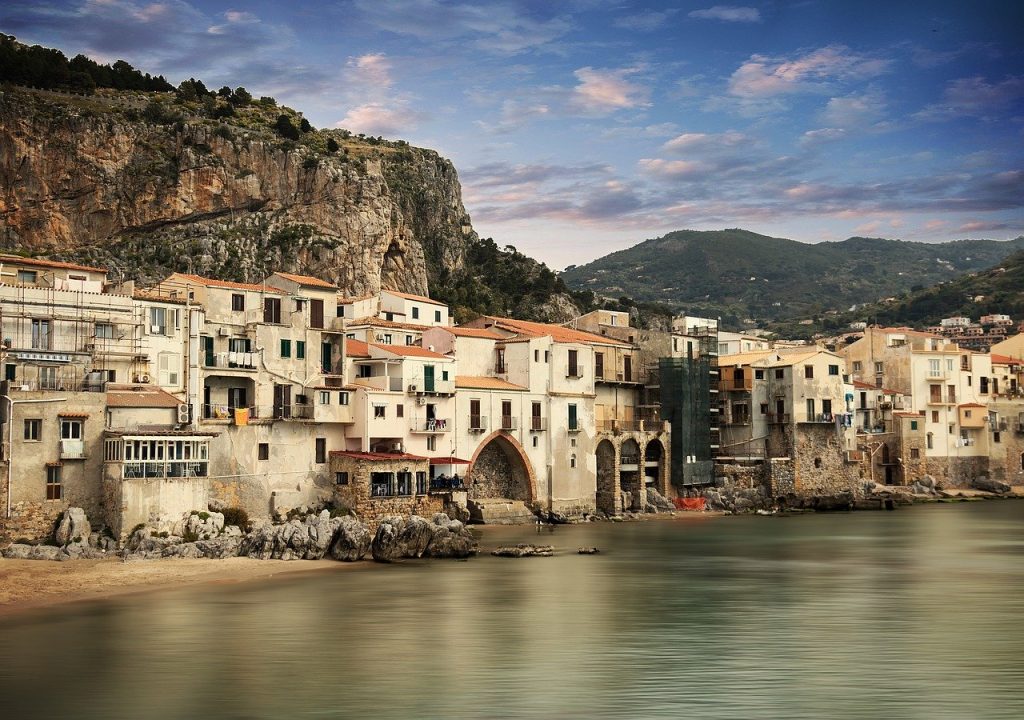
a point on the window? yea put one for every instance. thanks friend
(399, 410)
(431, 442)
(415, 313)
(325, 397)
(598, 364)
(104, 331)
(316, 313)
(70, 429)
(983, 385)
(968, 381)
(286, 348)
(379, 411)
(341, 478)
(913, 424)
(27, 277)
(808, 372)
(340, 311)
(263, 451)
(967, 413)
(547, 356)
(573, 418)
(536, 355)
(929, 440)
(408, 339)
(54, 489)
(935, 416)
(878, 367)
(421, 482)
(33, 429)
(915, 453)
(41, 334)
(764, 408)
(995, 436)
(343, 398)
(300, 305)
(158, 321)
(780, 373)
(833, 369)
(934, 368)
(272, 310)
(321, 450)
(437, 316)
(535, 441)
(858, 366)
(10, 372)
(300, 349)
(365, 371)
(444, 375)
(237, 302)
(167, 368)
(389, 316)
(759, 374)
(572, 460)
(387, 339)
(574, 368)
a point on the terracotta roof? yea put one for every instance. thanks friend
(228, 284)
(156, 297)
(41, 262)
(307, 280)
(1006, 360)
(372, 456)
(558, 333)
(409, 296)
(868, 386)
(140, 397)
(73, 414)
(410, 351)
(909, 414)
(356, 348)
(451, 460)
(485, 382)
(971, 405)
(474, 333)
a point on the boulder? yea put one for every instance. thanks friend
(320, 531)
(450, 539)
(203, 525)
(524, 550)
(259, 543)
(182, 550)
(991, 485)
(223, 547)
(74, 524)
(352, 540)
(384, 546)
(658, 500)
(33, 552)
(587, 551)
(742, 504)
(929, 482)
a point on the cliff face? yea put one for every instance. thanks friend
(89, 179)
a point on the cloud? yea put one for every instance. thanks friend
(977, 97)
(646, 21)
(857, 110)
(672, 169)
(499, 174)
(604, 91)
(705, 143)
(371, 69)
(657, 130)
(500, 27)
(983, 226)
(378, 119)
(728, 13)
(514, 114)
(813, 138)
(764, 76)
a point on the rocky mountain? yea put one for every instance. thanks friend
(737, 274)
(148, 182)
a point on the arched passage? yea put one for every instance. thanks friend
(500, 469)
(631, 474)
(607, 488)
(654, 461)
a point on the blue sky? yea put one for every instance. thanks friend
(583, 127)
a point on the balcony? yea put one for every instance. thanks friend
(736, 384)
(629, 463)
(574, 372)
(538, 424)
(508, 423)
(573, 428)
(432, 425)
(777, 418)
(500, 368)
(824, 418)
(242, 361)
(477, 423)
(294, 412)
(72, 450)
(228, 412)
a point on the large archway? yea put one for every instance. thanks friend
(654, 464)
(500, 469)
(631, 475)
(607, 488)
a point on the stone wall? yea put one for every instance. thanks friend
(30, 520)
(496, 475)
(740, 476)
(819, 462)
(371, 510)
(954, 472)
(781, 477)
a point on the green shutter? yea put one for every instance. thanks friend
(286, 348)
(572, 417)
(300, 349)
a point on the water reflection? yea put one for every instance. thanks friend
(907, 614)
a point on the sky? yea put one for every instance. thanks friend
(583, 127)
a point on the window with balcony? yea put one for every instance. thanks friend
(316, 314)
(54, 487)
(574, 368)
(70, 429)
(41, 334)
(272, 310)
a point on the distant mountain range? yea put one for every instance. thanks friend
(736, 274)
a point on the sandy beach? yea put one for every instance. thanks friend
(26, 584)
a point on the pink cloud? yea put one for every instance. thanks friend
(605, 91)
(764, 76)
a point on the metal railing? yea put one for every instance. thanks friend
(538, 424)
(478, 423)
(778, 418)
(821, 418)
(431, 425)
(226, 412)
(232, 360)
(574, 372)
(509, 422)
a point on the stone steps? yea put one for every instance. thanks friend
(499, 511)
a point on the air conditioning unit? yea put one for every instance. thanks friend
(183, 414)
(413, 388)
(396, 447)
(223, 332)
(144, 378)
(155, 330)
(421, 400)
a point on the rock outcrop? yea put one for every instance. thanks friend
(413, 537)
(73, 527)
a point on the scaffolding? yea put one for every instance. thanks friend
(688, 399)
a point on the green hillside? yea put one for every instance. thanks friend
(737, 274)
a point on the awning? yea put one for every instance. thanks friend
(448, 461)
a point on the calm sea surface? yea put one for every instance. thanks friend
(912, 614)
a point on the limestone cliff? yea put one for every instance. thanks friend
(145, 184)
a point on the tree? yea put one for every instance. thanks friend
(332, 145)
(224, 92)
(240, 97)
(304, 126)
(285, 128)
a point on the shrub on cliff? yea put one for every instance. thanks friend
(285, 128)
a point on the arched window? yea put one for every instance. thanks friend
(572, 460)
(930, 441)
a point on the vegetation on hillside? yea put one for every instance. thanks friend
(739, 275)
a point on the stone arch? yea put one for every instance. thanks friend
(501, 469)
(631, 479)
(607, 483)
(654, 463)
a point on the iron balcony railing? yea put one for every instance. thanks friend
(478, 423)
